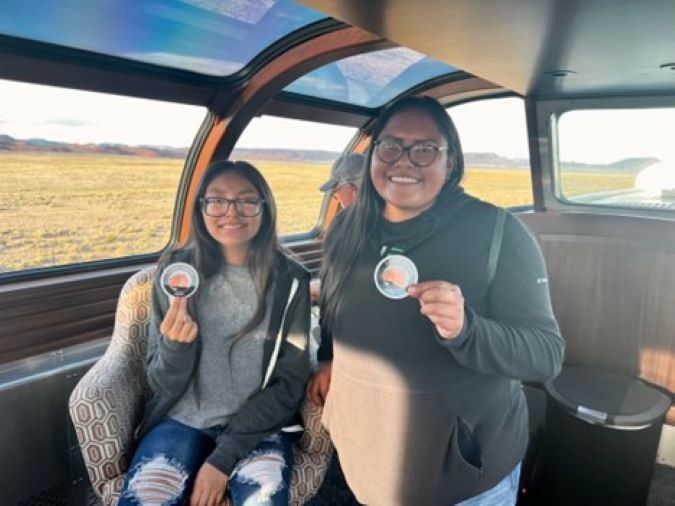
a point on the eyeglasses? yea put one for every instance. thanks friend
(219, 206)
(422, 153)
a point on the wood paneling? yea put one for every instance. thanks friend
(48, 314)
(612, 282)
(45, 315)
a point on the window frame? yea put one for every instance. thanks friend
(323, 210)
(492, 94)
(546, 145)
(179, 206)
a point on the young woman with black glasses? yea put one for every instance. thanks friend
(434, 308)
(227, 366)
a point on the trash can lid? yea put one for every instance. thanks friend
(607, 398)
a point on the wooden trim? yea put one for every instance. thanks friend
(48, 314)
(263, 85)
(613, 290)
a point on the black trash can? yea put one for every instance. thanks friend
(601, 437)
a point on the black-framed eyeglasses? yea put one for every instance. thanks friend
(422, 153)
(219, 206)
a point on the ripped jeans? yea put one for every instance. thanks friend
(167, 459)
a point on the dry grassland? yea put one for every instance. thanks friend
(61, 208)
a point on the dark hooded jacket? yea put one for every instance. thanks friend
(172, 365)
(418, 419)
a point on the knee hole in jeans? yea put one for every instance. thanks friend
(157, 481)
(263, 469)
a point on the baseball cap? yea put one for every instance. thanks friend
(346, 169)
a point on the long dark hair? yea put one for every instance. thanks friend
(205, 252)
(353, 227)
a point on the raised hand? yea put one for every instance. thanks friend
(178, 325)
(443, 304)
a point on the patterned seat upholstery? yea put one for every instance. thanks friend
(106, 405)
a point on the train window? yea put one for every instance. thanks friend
(87, 176)
(204, 36)
(494, 140)
(370, 79)
(295, 157)
(617, 157)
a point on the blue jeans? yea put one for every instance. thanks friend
(167, 459)
(504, 493)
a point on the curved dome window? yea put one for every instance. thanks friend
(370, 79)
(210, 37)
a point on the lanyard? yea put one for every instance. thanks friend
(391, 250)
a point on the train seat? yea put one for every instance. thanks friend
(107, 404)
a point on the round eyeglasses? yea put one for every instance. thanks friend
(422, 153)
(219, 206)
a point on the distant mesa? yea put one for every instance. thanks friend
(494, 160)
(634, 164)
(289, 155)
(486, 160)
(8, 143)
(625, 166)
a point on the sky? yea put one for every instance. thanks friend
(59, 114)
(605, 136)
(497, 125)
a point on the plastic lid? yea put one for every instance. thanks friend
(179, 280)
(393, 274)
(607, 398)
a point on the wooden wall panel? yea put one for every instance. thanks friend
(48, 314)
(612, 282)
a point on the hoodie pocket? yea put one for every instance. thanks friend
(464, 455)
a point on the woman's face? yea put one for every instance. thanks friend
(406, 188)
(232, 231)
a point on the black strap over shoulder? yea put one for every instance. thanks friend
(495, 245)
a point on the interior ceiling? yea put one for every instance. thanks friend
(611, 46)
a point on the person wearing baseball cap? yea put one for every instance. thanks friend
(344, 183)
(345, 178)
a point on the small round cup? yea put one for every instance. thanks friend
(179, 280)
(393, 274)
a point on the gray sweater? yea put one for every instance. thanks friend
(171, 369)
(229, 370)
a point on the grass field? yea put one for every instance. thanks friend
(62, 208)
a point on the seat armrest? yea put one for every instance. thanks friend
(105, 407)
(311, 458)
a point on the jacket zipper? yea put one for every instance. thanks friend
(277, 345)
